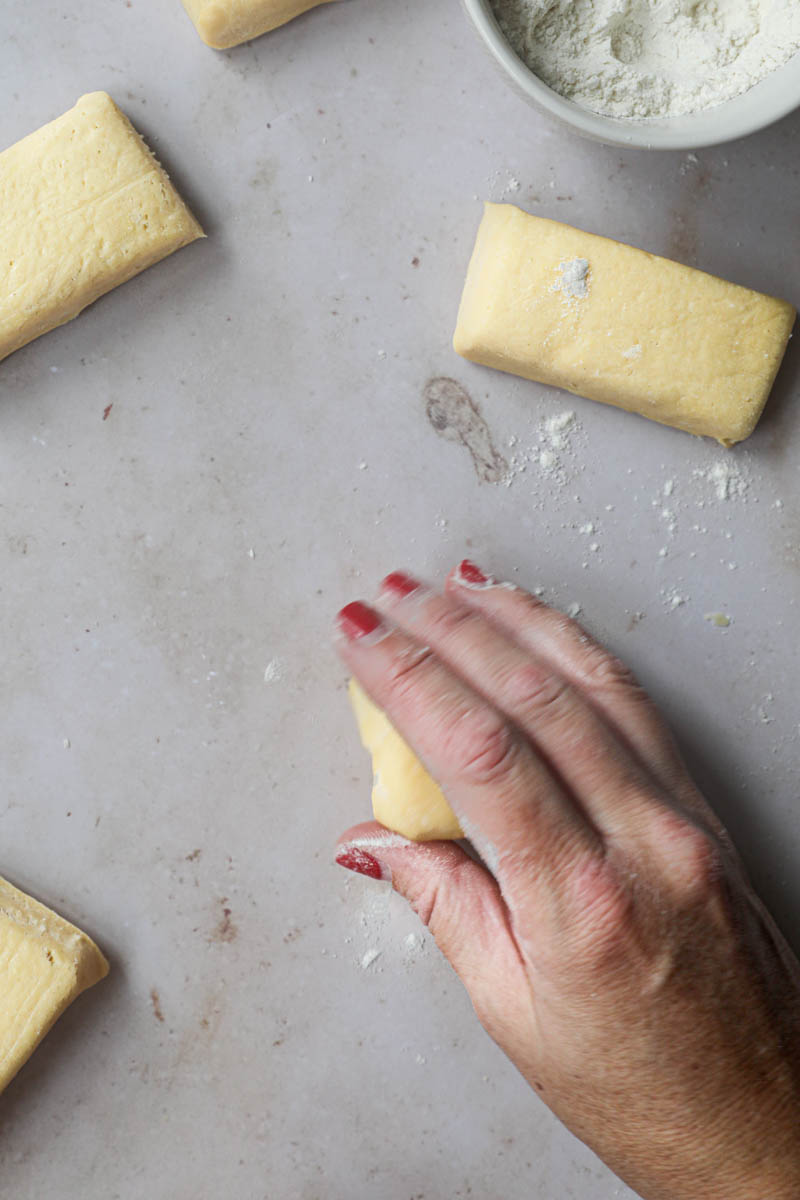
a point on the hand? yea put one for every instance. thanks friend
(614, 948)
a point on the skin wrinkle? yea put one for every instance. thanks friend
(454, 623)
(670, 768)
(532, 688)
(492, 917)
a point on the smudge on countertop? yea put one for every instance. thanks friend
(456, 417)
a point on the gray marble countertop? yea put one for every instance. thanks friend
(177, 752)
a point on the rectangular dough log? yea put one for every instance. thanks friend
(226, 23)
(604, 320)
(85, 207)
(44, 964)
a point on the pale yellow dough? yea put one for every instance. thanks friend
(85, 207)
(226, 23)
(44, 964)
(649, 335)
(404, 796)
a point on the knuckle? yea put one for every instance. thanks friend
(531, 607)
(482, 746)
(426, 903)
(447, 621)
(432, 900)
(694, 859)
(404, 672)
(534, 688)
(605, 672)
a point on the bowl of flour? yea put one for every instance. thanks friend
(660, 74)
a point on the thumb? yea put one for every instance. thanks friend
(457, 899)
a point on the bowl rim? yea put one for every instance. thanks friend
(735, 118)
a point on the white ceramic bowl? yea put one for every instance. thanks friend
(770, 100)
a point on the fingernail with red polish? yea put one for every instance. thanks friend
(361, 862)
(400, 584)
(357, 621)
(470, 576)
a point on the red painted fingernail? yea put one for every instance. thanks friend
(358, 620)
(360, 861)
(400, 583)
(470, 574)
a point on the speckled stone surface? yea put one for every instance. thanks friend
(197, 472)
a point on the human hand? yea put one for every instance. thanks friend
(615, 951)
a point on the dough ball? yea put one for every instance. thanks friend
(404, 796)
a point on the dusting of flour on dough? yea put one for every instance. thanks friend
(573, 281)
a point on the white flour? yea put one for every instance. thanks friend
(573, 280)
(651, 58)
(554, 446)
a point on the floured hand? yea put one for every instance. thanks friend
(612, 945)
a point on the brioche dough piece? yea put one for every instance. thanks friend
(604, 320)
(225, 23)
(85, 207)
(404, 796)
(44, 964)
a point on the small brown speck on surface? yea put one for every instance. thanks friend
(226, 930)
(155, 1000)
(106, 411)
(195, 856)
